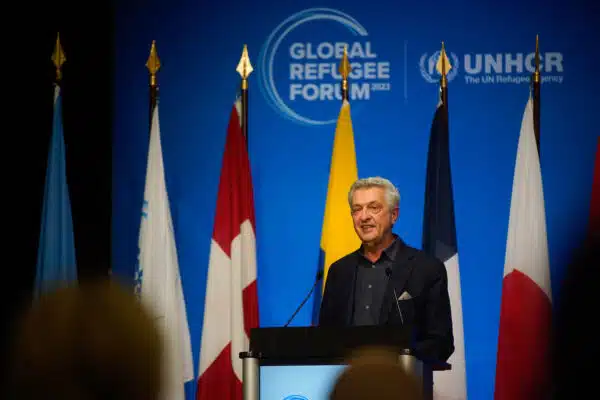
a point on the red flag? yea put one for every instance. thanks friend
(231, 307)
(523, 362)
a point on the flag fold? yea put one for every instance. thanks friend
(158, 279)
(439, 240)
(56, 262)
(523, 359)
(337, 234)
(231, 303)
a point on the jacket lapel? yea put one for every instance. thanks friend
(351, 290)
(401, 272)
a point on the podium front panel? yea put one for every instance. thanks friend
(304, 363)
(298, 382)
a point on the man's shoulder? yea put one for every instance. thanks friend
(426, 262)
(347, 261)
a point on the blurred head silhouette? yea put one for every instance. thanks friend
(95, 341)
(574, 358)
(374, 373)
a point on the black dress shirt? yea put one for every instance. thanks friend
(371, 283)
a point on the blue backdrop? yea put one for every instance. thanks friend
(292, 114)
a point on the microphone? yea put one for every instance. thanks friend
(388, 272)
(317, 280)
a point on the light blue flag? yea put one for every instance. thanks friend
(56, 265)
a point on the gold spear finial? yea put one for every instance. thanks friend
(443, 65)
(536, 74)
(58, 57)
(345, 70)
(153, 63)
(345, 67)
(244, 68)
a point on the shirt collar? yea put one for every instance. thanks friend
(390, 252)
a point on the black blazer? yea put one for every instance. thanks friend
(422, 276)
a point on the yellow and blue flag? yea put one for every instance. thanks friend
(337, 236)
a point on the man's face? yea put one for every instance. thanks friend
(371, 214)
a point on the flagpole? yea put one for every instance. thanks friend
(344, 71)
(153, 65)
(244, 68)
(537, 82)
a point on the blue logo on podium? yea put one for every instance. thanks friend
(295, 397)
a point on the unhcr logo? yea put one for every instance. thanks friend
(427, 65)
(496, 68)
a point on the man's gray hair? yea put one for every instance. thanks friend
(391, 193)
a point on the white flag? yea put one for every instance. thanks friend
(158, 279)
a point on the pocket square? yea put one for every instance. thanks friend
(405, 296)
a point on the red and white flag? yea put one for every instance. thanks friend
(231, 307)
(523, 359)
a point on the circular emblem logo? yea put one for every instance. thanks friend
(298, 73)
(430, 73)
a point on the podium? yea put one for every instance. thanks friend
(321, 353)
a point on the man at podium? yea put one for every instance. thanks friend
(385, 281)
